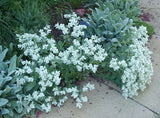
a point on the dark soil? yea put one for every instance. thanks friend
(146, 16)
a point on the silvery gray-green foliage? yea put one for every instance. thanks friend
(129, 7)
(113, 18)
(10, 98)
(110, 25)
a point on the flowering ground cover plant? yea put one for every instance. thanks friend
(49, 73)
(136, 69)
(128, 63)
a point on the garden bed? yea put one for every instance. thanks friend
(59, 44)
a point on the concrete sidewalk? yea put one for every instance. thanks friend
(104, 102)
(107, 102)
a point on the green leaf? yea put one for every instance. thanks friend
(103, 64)
(19, 107)
(3, 102)
(8, 78)
(1, 92)
(3, 54)
(1, 80)
(60, 43)
(12, 66)
(114, 40)
(3, 66)
(29, 86)
(39, 107)
(18, 60)
(10, 112)
(6, 90)
(0, 49)
(16, 89)
(11, 47)
(4, 111)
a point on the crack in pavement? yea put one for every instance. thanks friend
(156, 34)
(134, 100)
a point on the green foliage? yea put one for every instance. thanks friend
(73, 3)
(149, 27)
(92, 3)
(111, 21)
(110, 25)
(129, 7)
(6, 21)
(20, 16)
(31, 16)
(11, 104)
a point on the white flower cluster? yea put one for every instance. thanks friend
(138, 70)
(44, 56)
(36, 95)
(75, 93)
(77, 54)
(116, 65)
(140, 67)
(73, 24)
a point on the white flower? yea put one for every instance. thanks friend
(138, 71)
(74, 95)
(28, 98)
(85, 89)
(30, 79)
(114, 64)
(63, 99)
(78, 100)
(67, 15)
(94, 68)
(49, 83)
(47, 107)
(84, 99)
(90, 86)
(56, 91)
(62, 27)
(122, 63)
(41, 95)
(32, 105)
(29, 70)
(79, 105)
(75, 42)
(54, 102)
(48, 99)
(35, 95)
(79, 68)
